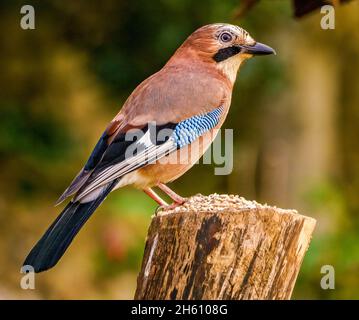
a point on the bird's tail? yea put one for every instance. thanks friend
(50, 248)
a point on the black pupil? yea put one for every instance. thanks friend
(226, 37)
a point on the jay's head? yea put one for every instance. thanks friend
(224, 46)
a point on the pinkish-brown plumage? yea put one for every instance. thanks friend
(193, 90)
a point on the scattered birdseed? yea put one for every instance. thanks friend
(217, 203)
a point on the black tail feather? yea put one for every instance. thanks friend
(53, 244)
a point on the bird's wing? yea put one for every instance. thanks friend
(95, 157)
(123, 157)
(185, 102)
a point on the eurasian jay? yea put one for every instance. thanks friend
(189, 97)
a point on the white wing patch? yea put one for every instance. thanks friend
(150, 155)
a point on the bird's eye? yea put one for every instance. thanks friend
(225, 37)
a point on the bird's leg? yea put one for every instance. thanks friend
(155, 197)
(178, 200)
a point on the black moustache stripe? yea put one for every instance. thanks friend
(226, 53)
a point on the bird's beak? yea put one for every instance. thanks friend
(258, 49)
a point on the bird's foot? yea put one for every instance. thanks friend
(171, 206)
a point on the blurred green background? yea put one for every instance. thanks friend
(295, 118)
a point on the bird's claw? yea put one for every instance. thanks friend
(170, 206)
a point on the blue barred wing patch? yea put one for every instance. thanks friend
(190, 129)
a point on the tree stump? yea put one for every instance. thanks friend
(223, 247)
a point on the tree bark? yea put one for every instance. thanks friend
(223, 247)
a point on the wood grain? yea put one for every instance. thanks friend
(223, 247)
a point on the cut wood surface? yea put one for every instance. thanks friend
(223, 247)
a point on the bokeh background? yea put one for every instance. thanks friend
(295, 118)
